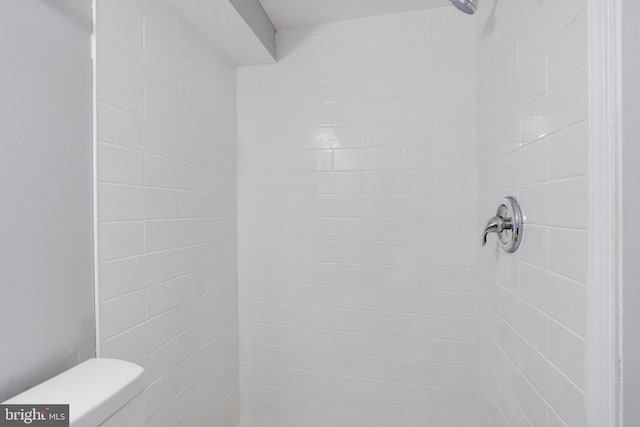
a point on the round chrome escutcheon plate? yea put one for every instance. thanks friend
(511, 235)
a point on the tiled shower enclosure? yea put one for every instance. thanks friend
(297, 244)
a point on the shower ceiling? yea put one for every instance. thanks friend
(293, 13)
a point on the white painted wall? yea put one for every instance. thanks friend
(257, 19)
(357, 238)
(631, 212)
(533, 143)
(46, 232)
(299, 13)
(167, 211)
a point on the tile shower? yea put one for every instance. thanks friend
(166, 132)
(297, 244)
(357, 241)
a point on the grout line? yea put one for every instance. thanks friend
(326, 417)
(360, 355)
(404, 313)
(525, 378)
(540, 354)
(365, 333)
(166, 250)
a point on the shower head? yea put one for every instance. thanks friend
(467, 6)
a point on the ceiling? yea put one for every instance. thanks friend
(239, 29)
(294, 13)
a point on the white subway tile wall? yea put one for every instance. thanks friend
(167, 211)
(357, 238)
(363, 179)
(533, 144)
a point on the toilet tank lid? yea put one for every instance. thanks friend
(94, 390)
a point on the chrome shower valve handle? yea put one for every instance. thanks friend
(507, 224)
(494, 225)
